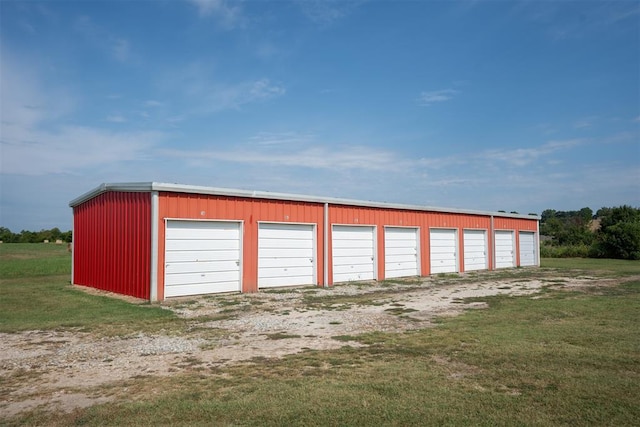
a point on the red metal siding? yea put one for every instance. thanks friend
(250, 211)
(112, 243)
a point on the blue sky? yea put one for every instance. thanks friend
(490, 105)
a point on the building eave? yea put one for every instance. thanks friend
(267, 195)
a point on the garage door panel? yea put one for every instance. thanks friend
(359, 260)
(286, 255)
(391, 242)
(285, 231)
(410, 258)
(400, 251)
(353, 244)
(346, 252)
(201, 267)
(199, 288)
(211, 278)
(286, 262)
(285, 243)
(347, 232)
(288, 272)
(273, 282)
(203, 245)
(201, 256)
(197, 230)
(444, 266)
(444, 256)
(354, 268)
(404, 266)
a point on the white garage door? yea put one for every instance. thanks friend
(401, 252)
(527, 249)
(201, 257)
(504, 249)
(475, 250)
(354, 253)
(443, 248)
(286, 255)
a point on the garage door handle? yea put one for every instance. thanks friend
(238, 263)
(311, 260)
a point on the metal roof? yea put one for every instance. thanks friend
(215, 191)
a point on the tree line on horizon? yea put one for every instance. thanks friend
(26, 236)
(609, 233)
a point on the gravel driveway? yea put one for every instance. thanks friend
(63, 369)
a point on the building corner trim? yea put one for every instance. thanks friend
(153, 282)
(73, 252)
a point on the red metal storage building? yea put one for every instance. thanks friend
(156, 241)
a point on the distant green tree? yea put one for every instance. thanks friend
(66, 236)
(7, 236)
(27, 236)
(619, 233)
(567, 227)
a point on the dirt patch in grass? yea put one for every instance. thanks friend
(68, 369)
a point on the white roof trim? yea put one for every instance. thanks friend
(194, 189)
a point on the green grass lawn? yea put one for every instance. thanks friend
(35, 293)
(613, 266)
(561, 358)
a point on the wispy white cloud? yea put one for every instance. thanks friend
(313, 157)
(72, 148)
(585, 122)
(524, 156)
(326, 12)
(282, 138)
(153, 103)
(228, 14)
(220, 96)
(428, 98)
(116, 118)
(206, 95)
